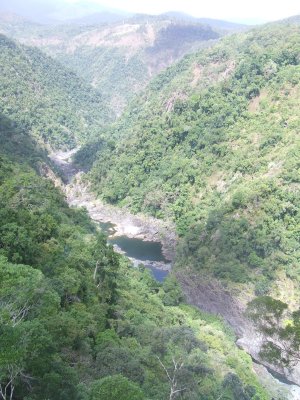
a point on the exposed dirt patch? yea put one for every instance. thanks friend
(228, 70)
(197, 71)
(120, 36)
(274, 169)
(169, 104)
(255, 102)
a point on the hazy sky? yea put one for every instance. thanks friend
(267, 10)
(250, 11)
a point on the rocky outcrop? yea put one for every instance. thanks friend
(79, 194)
(277, 389)
(63, 160)
(125, 223)
(209, 295)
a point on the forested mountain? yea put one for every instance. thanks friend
(213, 144)
(118, 58)
(223, 26)
(47, 99)
(77, 321)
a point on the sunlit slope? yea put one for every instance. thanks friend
(213, 145)
(119, 58)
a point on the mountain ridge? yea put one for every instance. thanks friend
(120, 57)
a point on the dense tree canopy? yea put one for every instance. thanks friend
(212, 144)
(47, 99)
(77, 321)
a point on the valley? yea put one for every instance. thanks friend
(149, 208)
(136, 237)
(144, 240)
(118, 58)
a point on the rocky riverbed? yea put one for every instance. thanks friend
(146, 228)
(125, 223)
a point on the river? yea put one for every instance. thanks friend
(138, 251)
(144, 240)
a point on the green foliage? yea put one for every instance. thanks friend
(46, 99)
(233, 386)
(266, 312)
(217, 154)
(77, 321)
(212, 144)
(172, 294)
(109, 69)
(115, 388)
(280, 329)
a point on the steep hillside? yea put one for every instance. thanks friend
(78, 322)
(213, 144)
(294, 20)
(118, 58)
(47, 99)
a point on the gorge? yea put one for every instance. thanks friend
(149, 208)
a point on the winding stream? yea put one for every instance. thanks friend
(140, 239)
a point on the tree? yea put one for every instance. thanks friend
(11, 361)
(115, 387)
(172, 294)
(173, 375)
(233, 387)
(280, 329)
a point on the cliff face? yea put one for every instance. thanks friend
(209, 295)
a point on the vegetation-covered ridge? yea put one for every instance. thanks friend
(47, 99)
(121, 57)
(78, 322)
(213, 145)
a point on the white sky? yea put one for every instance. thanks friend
(234, 10)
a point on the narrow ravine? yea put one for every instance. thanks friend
(148, 241)
(144, 240)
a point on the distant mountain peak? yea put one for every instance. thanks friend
(214, 23)
(294, 19)
(10, 17)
